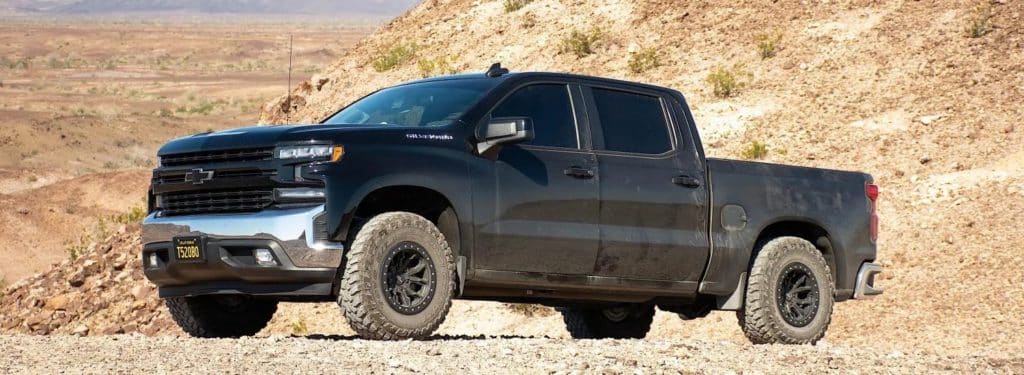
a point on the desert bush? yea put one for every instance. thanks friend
(755, 151)
(393, 56)
(19, 63)
(728, 81)
(582, 43)
(530, 310)
(514, 5)
(644, 60)
(299, 327)
(55, 62)
(981, 21)
(132, 216)
(767, 44)
(439, 66)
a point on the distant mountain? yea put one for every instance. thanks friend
(385, 8)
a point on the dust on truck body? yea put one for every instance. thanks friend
(590, 195)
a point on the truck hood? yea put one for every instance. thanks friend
(270, 136)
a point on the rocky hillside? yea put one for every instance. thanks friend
(102, 291)
(925, 95)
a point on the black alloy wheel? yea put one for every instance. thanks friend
(408, 277)
(797, 296)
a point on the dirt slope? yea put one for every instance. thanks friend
(896, 88)
(39, 224)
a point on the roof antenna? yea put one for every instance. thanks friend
(496, 70)
(288, 95)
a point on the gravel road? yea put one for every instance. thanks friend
(342, 354)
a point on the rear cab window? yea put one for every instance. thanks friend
(630, 122)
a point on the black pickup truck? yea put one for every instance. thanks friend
(590, 195)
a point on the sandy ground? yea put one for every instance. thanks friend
(465, 354)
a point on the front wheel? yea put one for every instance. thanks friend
(789, 294)
(619, 322)
(221, 316)
(399, 278)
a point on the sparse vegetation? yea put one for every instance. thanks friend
(755, 151)
(393, 56)
(582, 43)
(439, 66)
(728, 81)
(530, 310)
(981, 21)
(514, 5)
(299, 327)
(133, 216)
(19, 63)
(3, 287)
(643, 60)
(767, 44)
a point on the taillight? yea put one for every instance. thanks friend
(871, 191)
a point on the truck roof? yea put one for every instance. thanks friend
(537, 75)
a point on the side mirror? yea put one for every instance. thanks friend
(505, 130)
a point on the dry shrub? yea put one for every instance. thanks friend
(981, 21)
(767, 44)
(530, 310)
(582, 43)
(728, 81)
(394, 55)
(644, 60)
(756, 151)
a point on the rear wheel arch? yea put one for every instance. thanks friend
(807, 230)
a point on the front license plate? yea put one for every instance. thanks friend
(189, 249)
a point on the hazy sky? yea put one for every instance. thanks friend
(269, 7)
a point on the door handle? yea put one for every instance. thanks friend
(686, 181)
(578, 172)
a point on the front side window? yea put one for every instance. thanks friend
(550, 108)
(633, 123)
(427, 104)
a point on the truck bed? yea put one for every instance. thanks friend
(752, 198)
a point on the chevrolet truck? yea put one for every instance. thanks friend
(589, 195)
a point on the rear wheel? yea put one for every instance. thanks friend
(619, 322)
(789, 294)
(399, 278)
(218, 316)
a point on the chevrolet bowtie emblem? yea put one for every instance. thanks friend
(198, 176)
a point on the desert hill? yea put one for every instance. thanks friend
(926, 96)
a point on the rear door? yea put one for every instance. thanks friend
(546, 192)
(653, 212)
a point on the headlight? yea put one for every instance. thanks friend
(304, 152)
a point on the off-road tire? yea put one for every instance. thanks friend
(221, 316)
(761, 317)
(592, 323)
(361, 293)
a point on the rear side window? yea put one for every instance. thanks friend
(633, 123)
(550, 108)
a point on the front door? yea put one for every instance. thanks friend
(545, 191)
(653, 213)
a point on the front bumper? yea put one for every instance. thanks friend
(866, 281)
(305, 263)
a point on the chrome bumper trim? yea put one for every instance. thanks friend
(291, 228)
(866, 281)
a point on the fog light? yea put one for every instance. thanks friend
(265, 258)
(153, 261)
(301, 193)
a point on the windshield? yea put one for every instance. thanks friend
(427, 104)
